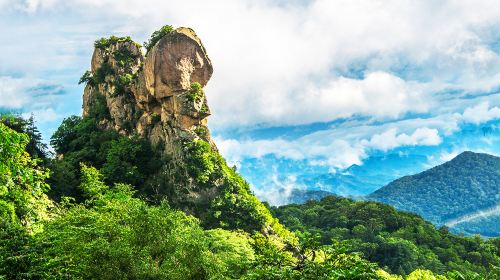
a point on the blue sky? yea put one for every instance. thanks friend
(301, 89)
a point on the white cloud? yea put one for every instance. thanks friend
(12, 92)
(30, 97)
(379, 94)
(481, 113)
(279, 191)
(344, 145)
(43, 116)
(330, 148)
(390, 139)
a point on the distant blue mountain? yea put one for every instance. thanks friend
(358, 180)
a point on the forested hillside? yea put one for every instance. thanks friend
(463, 186)
(399, 242)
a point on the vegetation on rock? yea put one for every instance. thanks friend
(157, 35)
(195, 94)
(111, 234)
(104, 43)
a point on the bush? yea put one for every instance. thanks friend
(115, 236)
(22, 182)
(87, 78)
(124, 57)
(102, 72)
(195, 94)
(155, 118)
(157, 35)
(122, 82)
(105, 43)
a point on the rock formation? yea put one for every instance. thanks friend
(157, 96)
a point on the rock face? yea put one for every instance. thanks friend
(176, 62)
(158, 96)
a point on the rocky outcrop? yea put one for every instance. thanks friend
(159, 95)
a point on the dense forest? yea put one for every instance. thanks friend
(399, 242)
(130, 193)
(463, 186)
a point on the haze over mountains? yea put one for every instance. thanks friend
(462, 194)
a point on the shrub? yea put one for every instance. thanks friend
(22, 182)
(122, 82)
(201, 131)
(195, 94)
(105, 43)
(102, 72)
(157, 35)
(87, 78)
(124, 57)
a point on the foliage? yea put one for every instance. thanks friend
(424, 275)
(195, 93)
(99, 109)
(102, 72)
(467, 184)
(92, 184)
(87, 78)
(155, 118)
(124, 57)
(157, 35)
(204, 108)
(115, 236)
(122, 82)
(105, 43)
(22, 182)
(121, 158)
(201, 131)
(400, 242)
(322, 262)
(235, 207)
(35, 147)
(232, 250)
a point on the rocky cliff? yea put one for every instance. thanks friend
(159, 96)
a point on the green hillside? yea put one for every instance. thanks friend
(463, 186)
